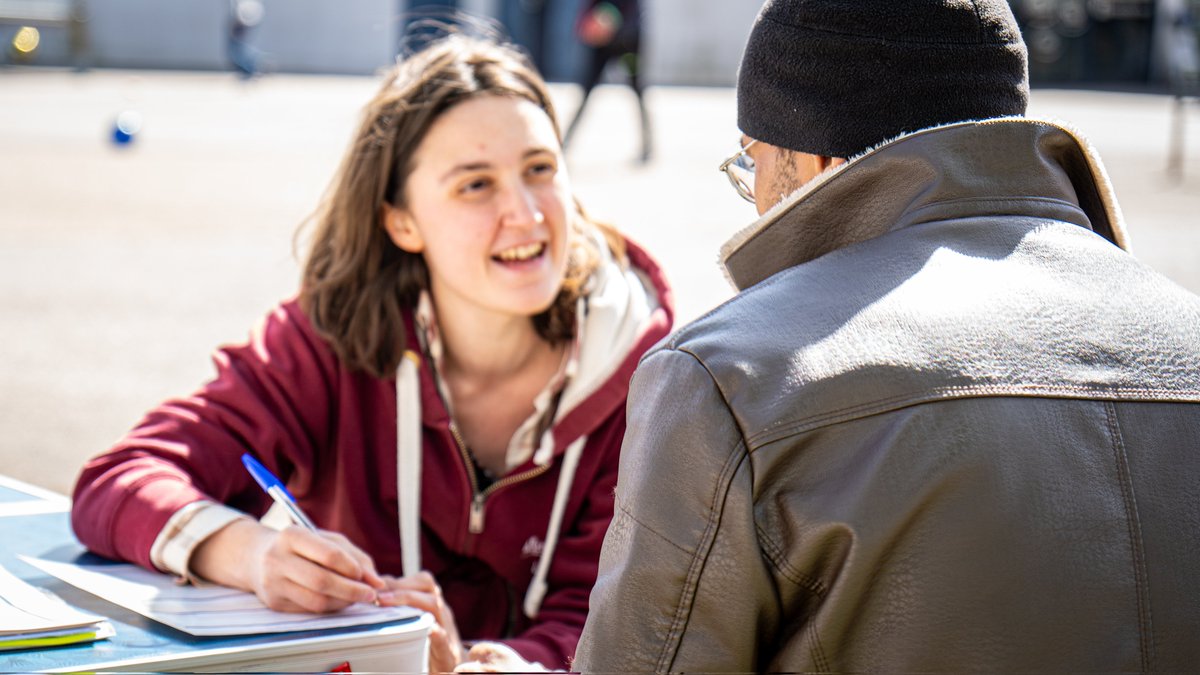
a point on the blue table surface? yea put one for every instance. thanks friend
(49, 536)
(11, 494)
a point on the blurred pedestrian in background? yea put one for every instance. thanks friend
(1183, 74)
(527, 21)
(1183, 55)
(612, 31)
(424, 20)
(244, 16)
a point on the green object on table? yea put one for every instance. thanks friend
(53, 641)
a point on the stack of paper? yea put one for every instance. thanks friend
(203, 610)
(30, 619)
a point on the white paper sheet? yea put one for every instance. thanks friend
(24, 610)
(33, 619)
(203, 610)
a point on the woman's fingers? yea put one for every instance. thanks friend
(369, 575)
(421, 581)
(422, 591)
(426, 602)
(293, 570)
(493, 657)
(330, 575)
(442, 656)
(285, 595)
(329, 550)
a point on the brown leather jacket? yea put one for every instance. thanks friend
(963, 435)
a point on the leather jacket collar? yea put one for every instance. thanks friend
(1010, 166)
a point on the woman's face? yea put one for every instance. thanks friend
(487, 208)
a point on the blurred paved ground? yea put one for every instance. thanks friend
(121, 269)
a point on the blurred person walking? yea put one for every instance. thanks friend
(948, 424)
(244, 16)
(612, 31)
(1182, 55)
(1182, 50)
(527, 22)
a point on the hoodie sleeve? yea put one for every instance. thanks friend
(270, 397)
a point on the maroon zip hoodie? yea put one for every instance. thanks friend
(330, 433)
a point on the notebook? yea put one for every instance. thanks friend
(207, 610)
(33, 619)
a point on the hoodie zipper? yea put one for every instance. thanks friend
(479, 497)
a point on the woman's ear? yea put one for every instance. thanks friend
(402, 230)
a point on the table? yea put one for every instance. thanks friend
(36, 523)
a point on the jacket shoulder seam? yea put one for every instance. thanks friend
(716, 381)
(1133, 521)
(700, 557)
(839, 415)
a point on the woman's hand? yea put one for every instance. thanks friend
(493, 657)
(423, 592)
(292, 570)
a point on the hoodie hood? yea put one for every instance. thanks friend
(628, 308)
(625, 305)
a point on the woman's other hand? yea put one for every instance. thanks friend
(493, 657)
(290, 570)
(423, 592)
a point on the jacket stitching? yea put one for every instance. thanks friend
(660, 535)
(818, 652)
(836, 415)
(687, 596)
(1004, 198)
(1017, 199)
(700, 558)
(717, 385)
(776, 556)
(1145, 624)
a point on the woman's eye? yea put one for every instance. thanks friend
(542, 169)
(475, 185)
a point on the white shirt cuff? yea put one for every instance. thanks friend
(187, 528)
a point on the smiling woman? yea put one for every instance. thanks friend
(488, 165)
(446, 394)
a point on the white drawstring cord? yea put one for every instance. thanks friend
(537, 587)
(408, 484)
(408, 461)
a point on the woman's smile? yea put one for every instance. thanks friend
(518, 255)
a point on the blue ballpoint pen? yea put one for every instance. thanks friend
(274, 487)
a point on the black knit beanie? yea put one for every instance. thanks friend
(836, 77)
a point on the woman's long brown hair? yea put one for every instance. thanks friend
(357, 283)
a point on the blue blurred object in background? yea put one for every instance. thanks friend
(126, 127)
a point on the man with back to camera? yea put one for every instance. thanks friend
(948, 423)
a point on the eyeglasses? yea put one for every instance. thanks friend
(740, 170)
